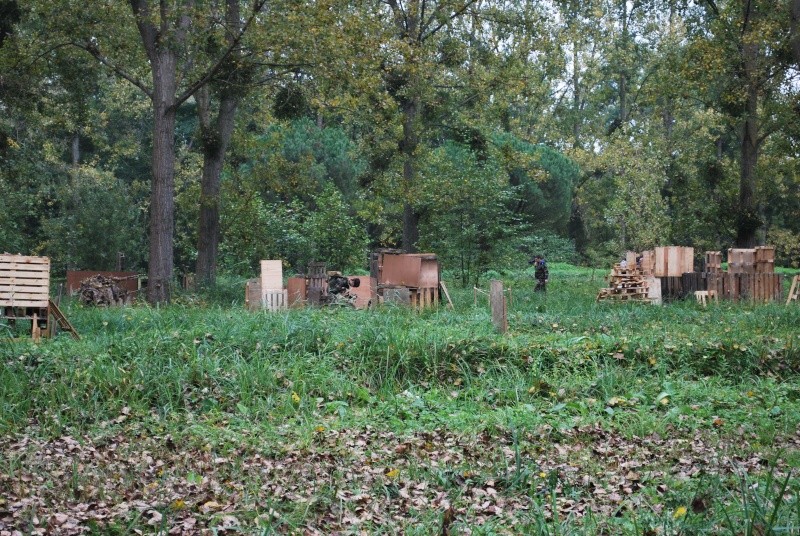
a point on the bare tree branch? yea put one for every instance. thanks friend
(257, 7)
(119, 71)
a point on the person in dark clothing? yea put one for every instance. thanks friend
(541, 274)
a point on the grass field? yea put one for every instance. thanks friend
(585, 418)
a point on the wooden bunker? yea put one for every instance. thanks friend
(268, 291)
(411, 278)
(750, 274)
(25, 294)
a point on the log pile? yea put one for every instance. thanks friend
(102, 291)
(625, 284)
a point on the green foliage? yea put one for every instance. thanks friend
(293, 232)
(465, 203)
(297, 159)
(543, 180)
(98, 218)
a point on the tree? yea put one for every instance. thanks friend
(738, 62)
(165, 36)
(215, 134)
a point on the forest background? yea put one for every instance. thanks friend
(204, 136)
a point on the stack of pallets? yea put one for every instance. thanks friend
(625, 284)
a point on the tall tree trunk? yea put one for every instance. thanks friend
(162, 200)
(215, 139)
(576, 97)
(748, 219)
(795, 29)
(76, 150)
(161, 39)
(408, 149)
(623, 73)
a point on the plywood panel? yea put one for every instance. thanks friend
(673, 261)
(363, 292)
(252, 294)
(429, 273)
(271, 275)
(741, 261)
(653, 289)
(401, 270)
(648, 262)
(296, 291)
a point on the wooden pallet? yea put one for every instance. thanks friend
(625, 284)
(24, 281)
(25, 291)
(794, 290)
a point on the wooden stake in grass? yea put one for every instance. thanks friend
(794, 291)
(497, 302)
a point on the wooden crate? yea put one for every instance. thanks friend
(713, 262)
(741, 261)
(673, 261)
(648, 266)
(765, 259)
(317, 284)
(417, 272)
(24, 281)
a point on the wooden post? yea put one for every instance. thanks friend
(447, 295)
(497, 301)
(794, 291)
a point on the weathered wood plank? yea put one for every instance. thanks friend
(497, 301)
(27, 259)
(39, 304)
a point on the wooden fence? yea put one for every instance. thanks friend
(763, 287)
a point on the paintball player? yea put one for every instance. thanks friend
(541, 274)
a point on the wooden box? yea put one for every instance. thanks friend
(713, 262)
(741, 261)
(673, 261)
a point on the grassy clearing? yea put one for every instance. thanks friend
(585, 418)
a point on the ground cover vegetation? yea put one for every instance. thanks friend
(586, 418)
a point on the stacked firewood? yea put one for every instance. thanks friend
(102, 291)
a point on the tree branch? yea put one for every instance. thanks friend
(257, 7)
(455, 15)
(94, 51)
(141, 12)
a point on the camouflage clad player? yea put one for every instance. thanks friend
(541, 273)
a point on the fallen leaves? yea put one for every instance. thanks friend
(346, 479)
